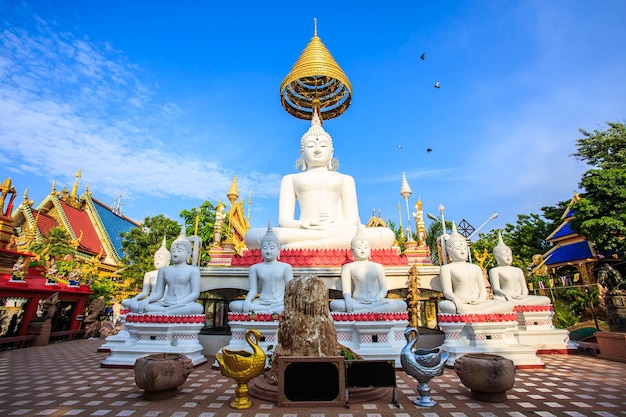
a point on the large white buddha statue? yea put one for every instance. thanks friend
(508, 282)
(162, 258)
(267, 280)
(463, 284)
(363, 282)
(327, 201)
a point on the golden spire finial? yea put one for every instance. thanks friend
(233, 191)
(316, 75)
(72, 197)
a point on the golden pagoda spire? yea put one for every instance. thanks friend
(233, 191)
(316, 75)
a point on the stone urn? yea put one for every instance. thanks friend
(161, 374)
(487, 376)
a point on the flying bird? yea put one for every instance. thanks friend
(429, 150)
(400, 146)
(437, 84)
(423, 56)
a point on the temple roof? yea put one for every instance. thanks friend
(94, 225)
(113, 224)
(80, 222)
(563, 231)
(572, 252)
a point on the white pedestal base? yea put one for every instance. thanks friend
(148, 338)
(496, 337)
(535, 328)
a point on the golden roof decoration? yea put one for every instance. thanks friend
(233, 191)
(316, 74)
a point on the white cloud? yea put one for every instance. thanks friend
(68, 103)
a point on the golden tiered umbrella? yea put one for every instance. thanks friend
(316, 75)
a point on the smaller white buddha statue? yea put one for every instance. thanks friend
(363, 282)
(177, 286)
(508, 282)
(266, 279)
(463, 283)
(162, 258)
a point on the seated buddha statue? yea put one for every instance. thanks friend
(363, 282)
(463, 284)
(326, 199)
(267, 280)
(508, 282)
(177, 286)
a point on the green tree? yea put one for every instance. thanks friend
(55, 244)
(140, 243)
(601, 210)
(101, 286)
(206, 226)
(527, 238)
(432, 234)
(486, 242)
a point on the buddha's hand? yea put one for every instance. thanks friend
(320, 224)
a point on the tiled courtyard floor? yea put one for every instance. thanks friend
(65, 379)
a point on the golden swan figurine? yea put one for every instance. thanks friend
(242, 366)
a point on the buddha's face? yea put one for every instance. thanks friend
(269, 250)
(180, 253)
(161, 259)
(361, 250)
(317, 152)
(504, 256)
(458, 251)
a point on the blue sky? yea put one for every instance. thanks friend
(165, 101)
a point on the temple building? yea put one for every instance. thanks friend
(25, 278)
(572, 257)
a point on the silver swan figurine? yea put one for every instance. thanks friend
(422, 364)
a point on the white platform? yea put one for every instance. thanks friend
(148, 338)
(495, 337)
(535, 328)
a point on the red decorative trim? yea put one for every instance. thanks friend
(527, 308)
(475, 318)
(320, 257)
(162, 318)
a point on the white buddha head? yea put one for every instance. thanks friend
(181, 248)
(316, 147)
(162, 256)
(502, 253)
(270, 245)
(456, 246)
(361, 248)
